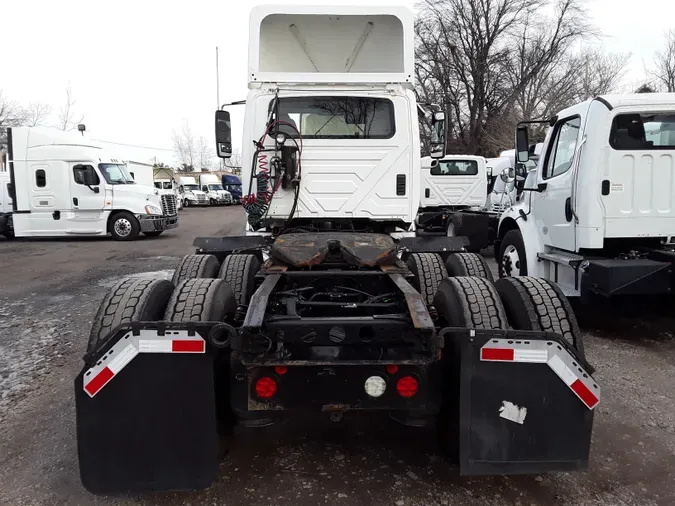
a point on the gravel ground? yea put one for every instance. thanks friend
(50, 291)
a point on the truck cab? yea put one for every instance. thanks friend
(213, 188)
(232, 184)
(65, 184)
(600, 218)
(190, 192)
(315, 153)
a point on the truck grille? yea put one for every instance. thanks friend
(201, 198)
(499, 208)
(169, 205)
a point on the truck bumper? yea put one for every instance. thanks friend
(157, 223)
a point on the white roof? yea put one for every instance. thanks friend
(638, 99)
(334, 44)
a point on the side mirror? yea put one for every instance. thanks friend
(488, 171)
(438, 138)
(223, 134)
(181, 189)
(522, 144)
(508, 175)
(205, 189)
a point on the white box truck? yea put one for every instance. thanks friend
(190, 193)
(330, 312)
(64, 184)
(213, 187)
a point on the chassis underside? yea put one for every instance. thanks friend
(328, 323)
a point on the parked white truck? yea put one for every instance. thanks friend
(453, 198)
(328, 310)
(164, 180)
(63, 184)
(600, 220)
(213, 187)
(190, 193)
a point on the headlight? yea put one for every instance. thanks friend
(152, 210)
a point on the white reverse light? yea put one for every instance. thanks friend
(375, 386)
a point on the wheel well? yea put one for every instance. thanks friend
(505, 226)
(115, 213)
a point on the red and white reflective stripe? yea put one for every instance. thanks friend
(126, 349)
(551, 353)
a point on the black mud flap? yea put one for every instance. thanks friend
(149, 427)
(525, 403)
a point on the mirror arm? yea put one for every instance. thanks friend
(94, 189)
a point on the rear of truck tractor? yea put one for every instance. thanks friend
(329, 323)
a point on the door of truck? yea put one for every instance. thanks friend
(87, 205)
(553, 206)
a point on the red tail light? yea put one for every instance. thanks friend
(281, 369)
(407, 386)
(392, 368)
(265, 387)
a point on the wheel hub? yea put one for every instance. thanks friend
(122, 227)
(511, 261)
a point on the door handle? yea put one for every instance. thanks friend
(75, 201)
(427, 193)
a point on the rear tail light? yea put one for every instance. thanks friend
(281, 370)
(392, 368)
(265, 387)
(407, 386)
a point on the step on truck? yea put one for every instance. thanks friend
(63, 184)
(600, 220)
(329, 303)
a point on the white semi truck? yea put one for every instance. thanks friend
(63, 184)
(213, 187)
(330, 303)
(600, 221)
(190, 193)
(163, 178)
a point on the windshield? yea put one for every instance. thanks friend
(116, 174)
(215, 187)
(191, 187)
(337, 117)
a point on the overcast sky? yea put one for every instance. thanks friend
(138, 68)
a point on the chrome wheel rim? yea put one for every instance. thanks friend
(122, 227)
(511, 261)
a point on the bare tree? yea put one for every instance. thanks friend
(37, 113)
(67, 115)
(234, 162)
(11, 115)
(185, 146)
(476, 59)
(206, 154)
(663, 74)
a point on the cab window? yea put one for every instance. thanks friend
(563, 146)
(455, 168)
(643, 132)
(82, 173)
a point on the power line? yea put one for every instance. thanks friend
(133, 145)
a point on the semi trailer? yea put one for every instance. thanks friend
(330, 303)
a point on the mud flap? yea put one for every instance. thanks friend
(528, 415)
(152, 427)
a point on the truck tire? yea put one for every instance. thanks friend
(124, 226)
(239, 270)
(511, 259)
(538, 304)
(201, 300)
(470, 302)
(131, 300)
(468, 264)
(196, 266)
(429, 270)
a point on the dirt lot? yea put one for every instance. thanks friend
(49, 291)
